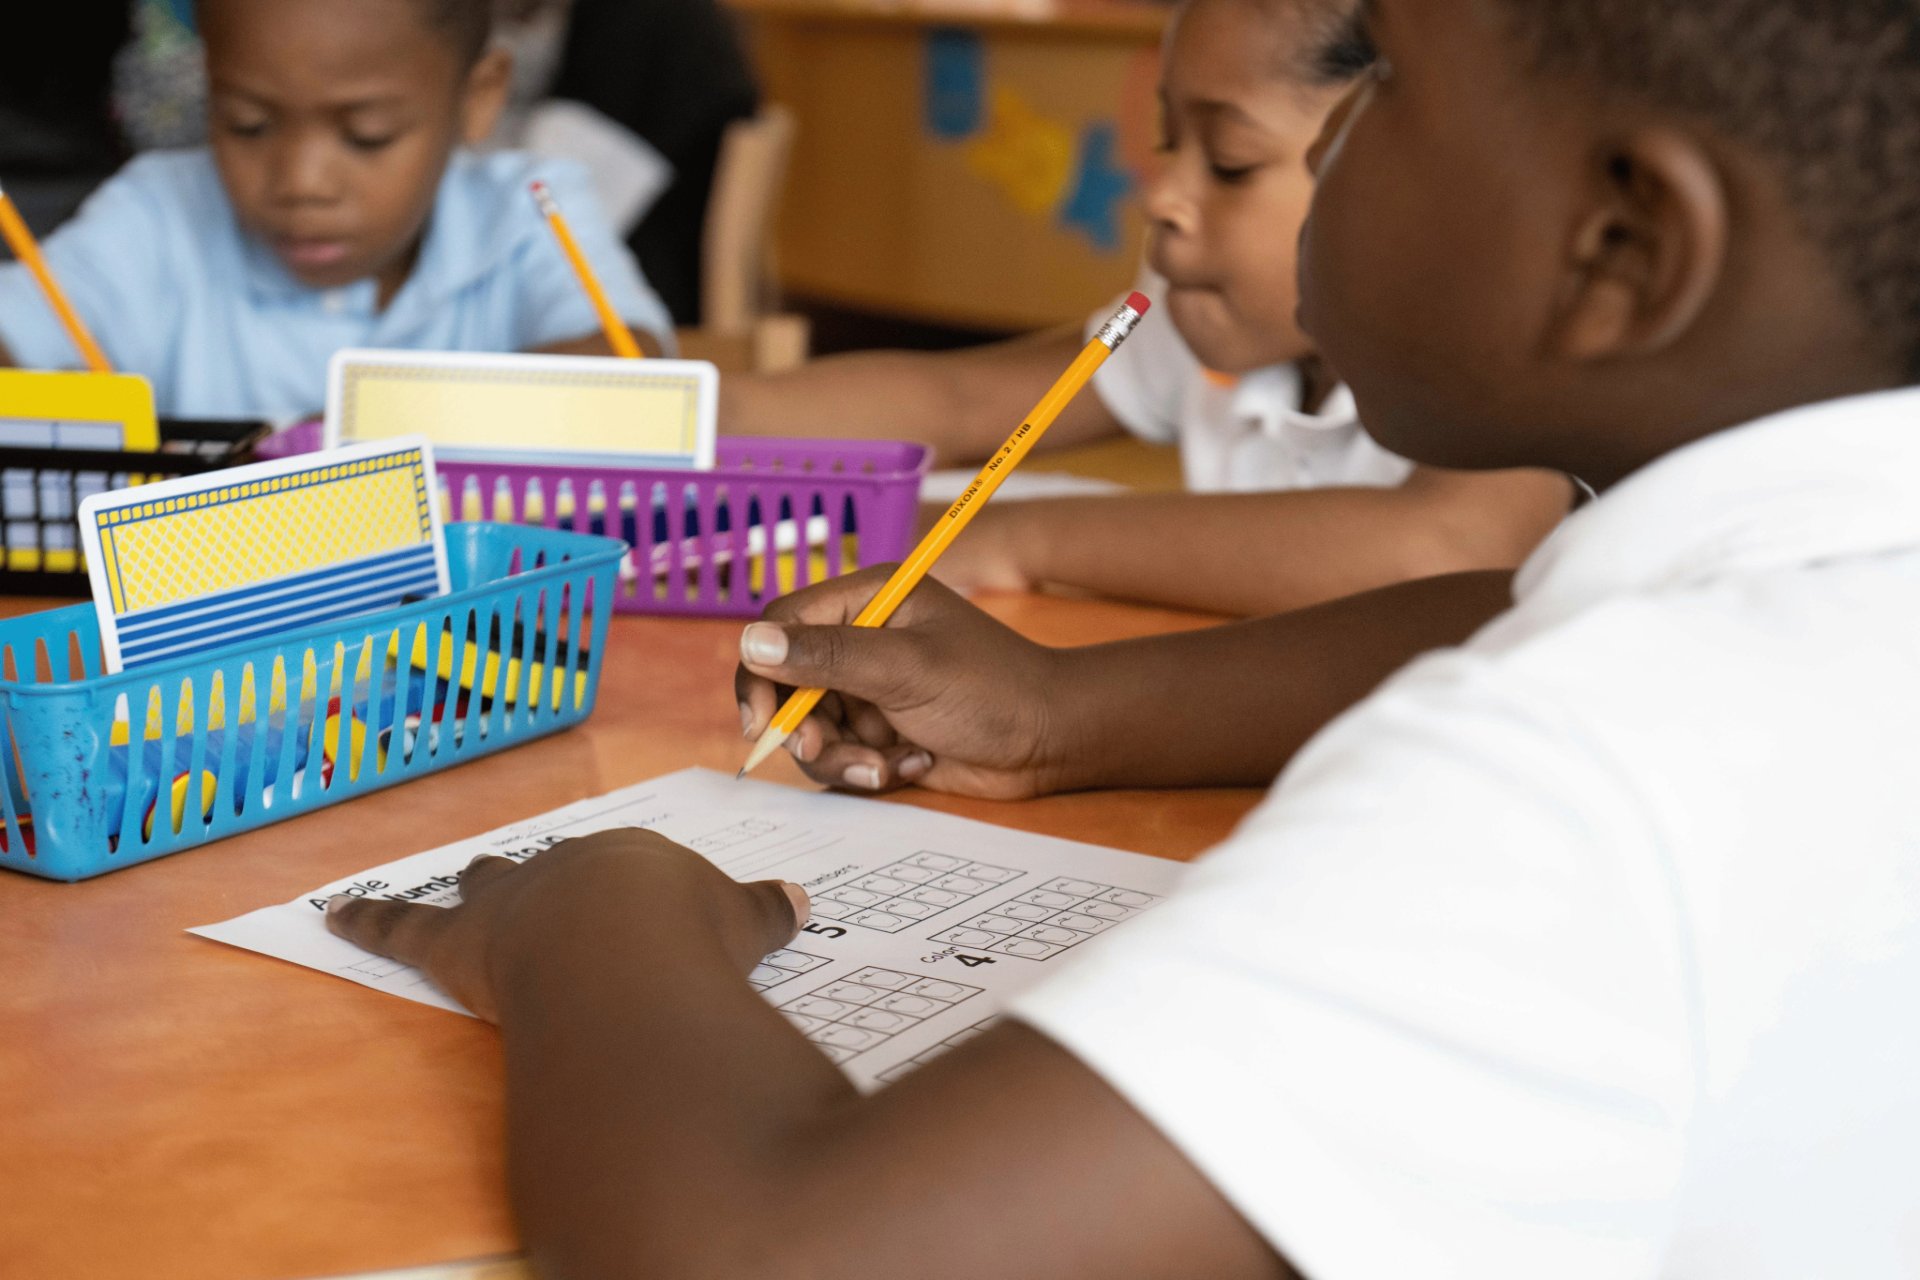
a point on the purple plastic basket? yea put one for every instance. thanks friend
(699, 539)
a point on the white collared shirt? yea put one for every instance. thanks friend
(1236, 435)
(165, 277)
(1590, 948)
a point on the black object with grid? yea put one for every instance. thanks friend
(41, 491)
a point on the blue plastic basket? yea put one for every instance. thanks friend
(105, 771)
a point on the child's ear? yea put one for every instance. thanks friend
(1649, 252)
(486, 95)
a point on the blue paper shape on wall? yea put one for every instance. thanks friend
(955, 73)
(1099, 187)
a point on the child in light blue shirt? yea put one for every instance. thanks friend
(335, 207)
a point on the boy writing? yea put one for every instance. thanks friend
(1271, 442)
(333, 208)
(1578, 951)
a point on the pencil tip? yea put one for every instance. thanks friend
(769, 743)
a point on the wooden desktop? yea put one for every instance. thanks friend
(170, 1107)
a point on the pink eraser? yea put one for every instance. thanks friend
(1138, 301)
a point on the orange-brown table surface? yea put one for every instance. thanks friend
(170, 1107)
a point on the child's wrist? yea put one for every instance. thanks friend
(1072, 746)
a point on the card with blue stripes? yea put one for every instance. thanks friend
(194, 564)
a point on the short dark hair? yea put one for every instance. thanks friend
(1828, 89)
(1336, 50)
(466, 24)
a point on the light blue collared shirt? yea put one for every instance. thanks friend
(159, 269)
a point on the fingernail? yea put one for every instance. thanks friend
(864, 776)
(763, 645)
(802, 905)
(746, 721)
(338, 901)
(915, 766)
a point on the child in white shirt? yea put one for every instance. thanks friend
(1585, 950)
(1273, 453)
(1239, 434)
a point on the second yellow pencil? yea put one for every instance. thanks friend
(14, 229)
(619, 337)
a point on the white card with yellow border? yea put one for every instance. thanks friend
(579, 410)
(194, 564)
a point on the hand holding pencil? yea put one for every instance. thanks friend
(956, 518)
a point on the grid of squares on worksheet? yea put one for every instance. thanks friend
(1041, 923)
(866, 1009)
(927, 1055)
(783, 965)
(906, 892)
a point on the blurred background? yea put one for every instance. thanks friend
(794, 175)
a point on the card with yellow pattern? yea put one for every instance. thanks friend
(193, 564)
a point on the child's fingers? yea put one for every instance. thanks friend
(824, 724)
(483, 871)
(402, 931)
(867, 723)
(880, 665)
(783, 907)
(762, 916)
(857, 767)
(834, 602)
(758, 697)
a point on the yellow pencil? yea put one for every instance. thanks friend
(21, 241)
(948, 527)
(618, 335)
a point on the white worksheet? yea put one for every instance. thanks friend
(923, 924)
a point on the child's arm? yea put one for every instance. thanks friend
(964, 403)
(948, 698)
(1258, 553)
(665, 1120)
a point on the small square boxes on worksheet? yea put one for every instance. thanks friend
(783, 965)
(1043, 922)
(927, 1055)
(908, 891)
(867, 1008)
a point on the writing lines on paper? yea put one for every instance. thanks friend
(1043, 922)
(927, 1055)
(783, 965)
(910, 890)
(400, 978)
(753, 847)
(869, 1007)
(375, 967)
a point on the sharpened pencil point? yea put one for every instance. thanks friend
(769, 742)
